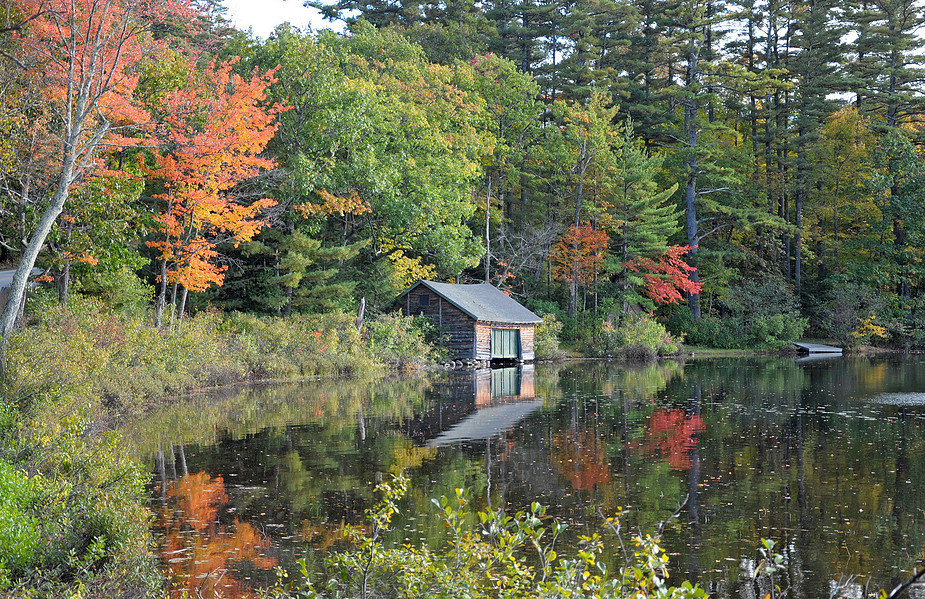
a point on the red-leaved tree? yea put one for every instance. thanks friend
(578, 256)
(667, 278)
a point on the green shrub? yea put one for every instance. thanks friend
(580, 329)
(120, 289)
(490, 554)
(19, 529)
(79, 517)
(637, 337)
(644, 330)
(404, 341)
(546, 338)
(543, 307)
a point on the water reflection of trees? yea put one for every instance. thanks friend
(234, 413)
(207, 551)
(763, 447)
(782, 451)
(794, 457)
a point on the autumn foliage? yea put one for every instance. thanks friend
(582, 459)
(672, 434)
(667, 278)
(579, 254)
(351, 203)
(203, 550)
(78, 77)
(95, 44)
(210, 141)
(75, 63)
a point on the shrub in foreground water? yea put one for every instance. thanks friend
(487, 560)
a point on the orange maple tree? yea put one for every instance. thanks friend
(210, 141)
(83, 54)
(579, 254)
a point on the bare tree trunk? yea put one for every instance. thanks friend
(18, 285)
(488, 232)
(693, 171)
(64, 282)
(361, 315)
(183, 296)
(173, 305)
(690, 200)
(693, 237)
(161, 302)
(579, 198)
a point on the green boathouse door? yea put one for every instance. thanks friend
(505, 344)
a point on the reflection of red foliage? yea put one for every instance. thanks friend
(673, 434)
(582, 459)
(199, 549)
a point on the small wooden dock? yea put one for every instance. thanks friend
(816, 348)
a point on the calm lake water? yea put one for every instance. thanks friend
(825, 457)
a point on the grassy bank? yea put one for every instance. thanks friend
(72, 515)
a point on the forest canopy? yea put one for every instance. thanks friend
(745, 170)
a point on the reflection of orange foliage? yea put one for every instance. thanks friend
(320, 536)
(582, 459)
(673, 434)
(200, 550)
(199, 497)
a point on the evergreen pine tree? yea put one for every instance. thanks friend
(887, 72)
(813, 66)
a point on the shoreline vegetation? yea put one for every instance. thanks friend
(73, 521)
(72, 514)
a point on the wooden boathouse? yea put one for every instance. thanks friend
(482, 322)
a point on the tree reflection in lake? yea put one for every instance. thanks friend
(208, 551)
(821, 457)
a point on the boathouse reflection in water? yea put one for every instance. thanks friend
(827, 458)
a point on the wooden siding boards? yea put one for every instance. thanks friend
(469, 339)
(527, 343)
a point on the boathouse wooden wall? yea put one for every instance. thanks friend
(468, 339)
(459, 326)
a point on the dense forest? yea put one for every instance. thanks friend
(749, 171)
(639, 172)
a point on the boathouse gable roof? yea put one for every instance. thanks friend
(482, 301)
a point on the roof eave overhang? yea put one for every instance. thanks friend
(461, 308)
